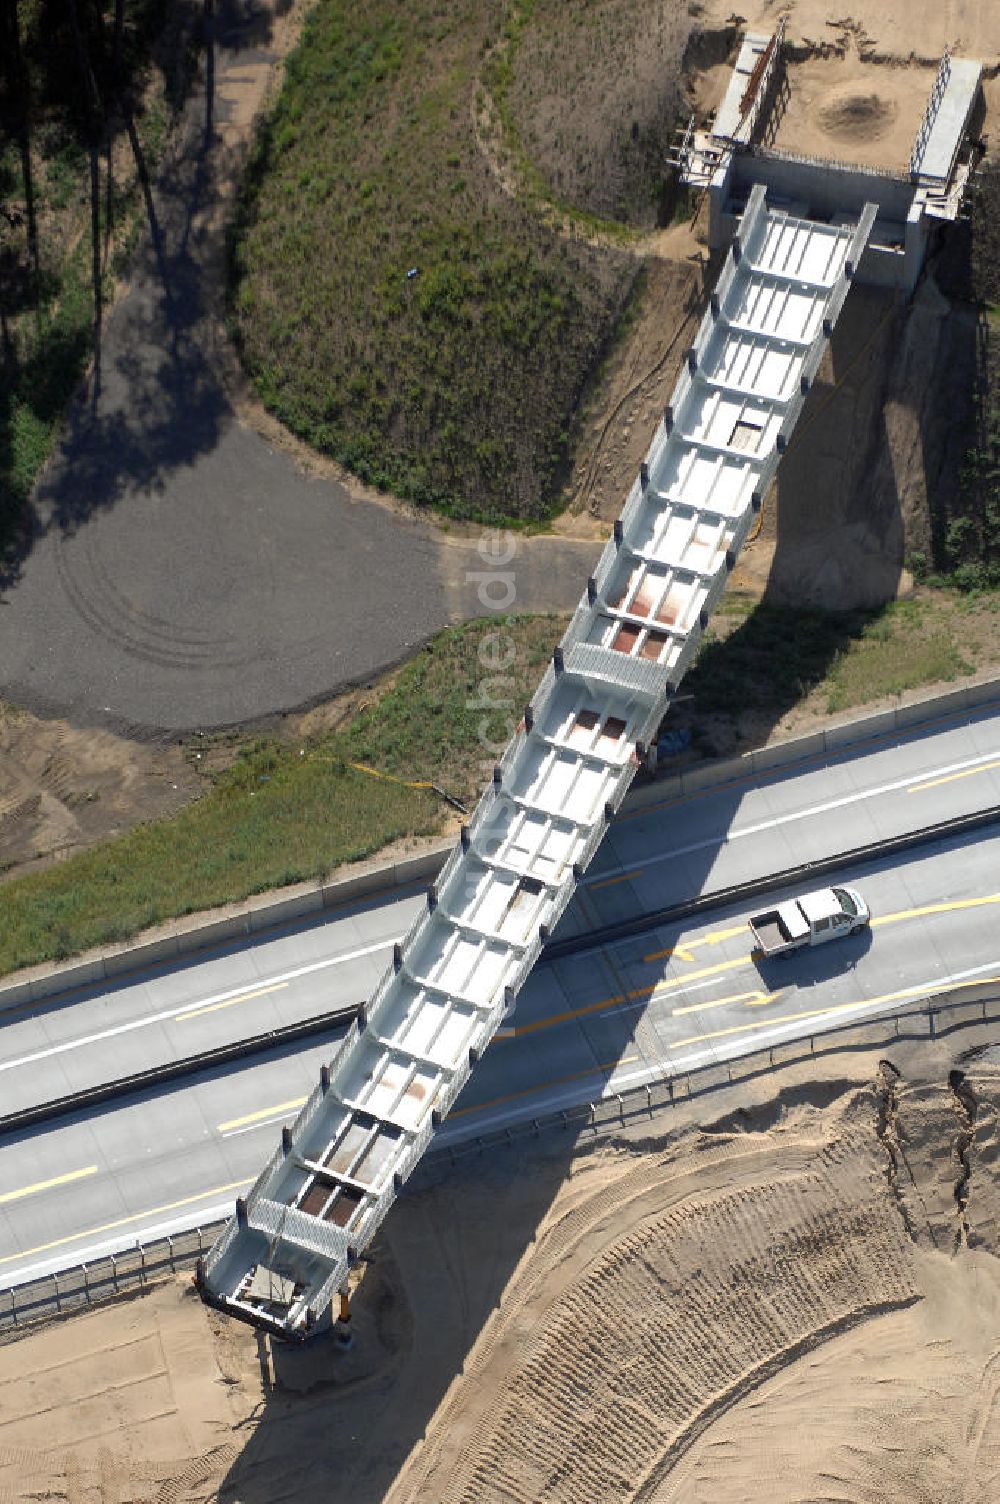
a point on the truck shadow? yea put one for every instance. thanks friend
(810, 968)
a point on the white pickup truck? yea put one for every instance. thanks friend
(810, 920)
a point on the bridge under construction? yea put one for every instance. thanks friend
(288, 1251)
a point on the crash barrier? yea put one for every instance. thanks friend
(140, 1265)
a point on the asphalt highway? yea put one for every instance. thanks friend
(585, 1025)
(653, 857)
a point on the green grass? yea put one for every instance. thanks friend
(285, 813)
(501, 75)
(965, 523)
(775, 657)
(893, 653)
(458, 386)
(964, 550)
(580, 117)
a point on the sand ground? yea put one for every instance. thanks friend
(785, 1291)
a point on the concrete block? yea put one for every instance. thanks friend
(213, 932)
(952, 703)
(851, 732)
(67, 979)
(16, 996)
(269, 909)
(143, 953)
(659, 791)
(422, 868)
(780, 754)
(710, 774)
(984, 693)
(345, 889)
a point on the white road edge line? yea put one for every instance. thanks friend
(71, 1257)
(178, 1010)
(569, 1096)
(605, 1087)
(729, 836)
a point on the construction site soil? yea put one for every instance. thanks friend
(785, 1291)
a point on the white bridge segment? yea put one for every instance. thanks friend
(455, 976)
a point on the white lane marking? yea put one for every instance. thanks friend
(725, 838)
(569, 1096)
(627, 1005)
(178, 1012)
(718, 840)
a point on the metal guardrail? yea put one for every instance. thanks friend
(175, 1070)
(140, 1265)
(84, 1285)
(921, 1021)
(594, 939)
(721, 898)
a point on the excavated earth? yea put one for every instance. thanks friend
(785, 1291)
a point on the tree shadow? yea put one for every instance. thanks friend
(963, 543)
(162, 401)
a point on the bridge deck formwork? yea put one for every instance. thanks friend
(323, 1195)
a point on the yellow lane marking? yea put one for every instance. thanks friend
(764, 1023)
(937, 908)
(46, 1185)
(679, 983)
(153, 1211)
(683, 950)
(921, 990)
(265, 1112)
(934, 783)
(230, 1002)
(609, 882)
(513, 1096)
(621, 997)
(720, 1002)
(761, 999)
(744, 1028)
(692, 976)
(716, 937)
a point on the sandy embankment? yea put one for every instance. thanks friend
(783, 1292)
